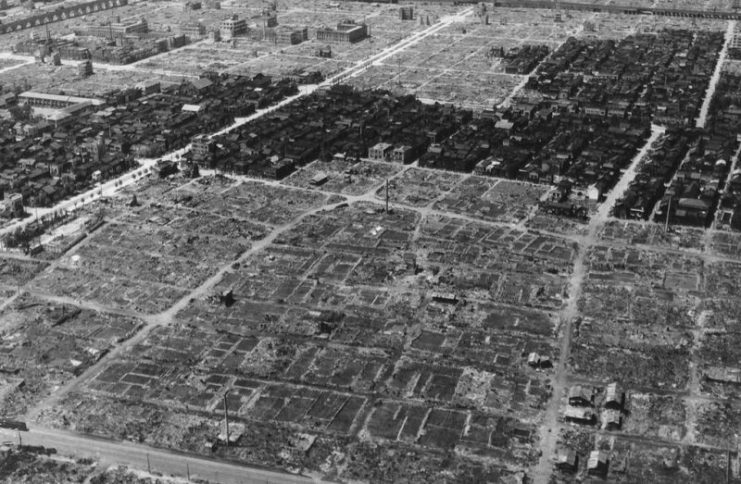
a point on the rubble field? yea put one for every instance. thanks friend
(340, 335)
(655, 320)
(456, 64)
(171, 237)
(375, 287)
(44, 345)
(251, 54)
(341, 177)
(348, 327)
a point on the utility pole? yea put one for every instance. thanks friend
(398, 76)
(387, 195)
(149, 467)
(668, 209)
(226, 418)
(187, 470)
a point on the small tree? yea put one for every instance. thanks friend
(21, 112)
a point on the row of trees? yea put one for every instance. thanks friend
(23, 237)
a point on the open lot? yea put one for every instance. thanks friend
(344, 177)
(455, 65)
(342, 326)
(493, 200)
(251, 56)
(45, 345)
(338, 324)
(65, 79)
(17, 272)
(174, 248)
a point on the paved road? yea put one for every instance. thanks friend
(138, 456)
(704, 110)
(702, 119)
(10, 68)
(551, 426)
(107, 188)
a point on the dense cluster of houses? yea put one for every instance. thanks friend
(544, 146)
(693, 193)
(339, 122)
(661, 77)
(540, 145)
(653, 174)
(45, 160)
(587, 110)
(720, 179)
(690, 176)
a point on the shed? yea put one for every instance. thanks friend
(612, 419)
(192, 108)
(319, 179)
(201, 83)
(723, 374)
(597, 463)
(581, 395)
(694, 204)
(594, 192)
(536, 360)
(236, 430)
(566, 459)
(614, 397)
(446, 298)
(579, 415)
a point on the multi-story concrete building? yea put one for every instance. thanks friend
(74, 52)
(270, 20)
(284, 35)
(195, 30)
(203, 148)
(290, 37)
(347, 31)
(117, 28)
(403, 154)
(85, 68)
(381, 151)
(233, 27)
(56, 101)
